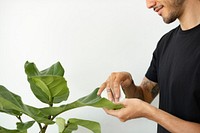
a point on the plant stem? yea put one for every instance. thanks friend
(19, 118)
(44, 128)
(40, 127)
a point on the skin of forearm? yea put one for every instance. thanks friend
(171, 123)
(133, 92)
(142, 92)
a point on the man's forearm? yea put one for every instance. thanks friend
(147, 90)
(133, 92)
(172, 123)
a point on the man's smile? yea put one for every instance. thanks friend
(158, 9)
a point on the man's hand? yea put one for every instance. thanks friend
(133, 108)
(113, 83)
(136, 108)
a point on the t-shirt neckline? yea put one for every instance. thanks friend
(189, 30)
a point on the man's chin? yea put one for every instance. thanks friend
(168, 21)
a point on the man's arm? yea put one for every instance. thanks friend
(172, 123)
(147, 90)
(136, 108)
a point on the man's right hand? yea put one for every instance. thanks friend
(113, 83)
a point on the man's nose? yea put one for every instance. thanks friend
(150, 3)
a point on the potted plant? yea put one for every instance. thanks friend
(50, 87)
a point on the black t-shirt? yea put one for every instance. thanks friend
(175, 66)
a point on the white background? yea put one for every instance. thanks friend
(91, 39)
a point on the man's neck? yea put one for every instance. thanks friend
(191, 14)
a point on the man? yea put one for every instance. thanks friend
(174, 72)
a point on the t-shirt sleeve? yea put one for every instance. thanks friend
(153, 70)
(151, 73)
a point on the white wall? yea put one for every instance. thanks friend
(91, 38)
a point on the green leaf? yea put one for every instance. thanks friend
(37, 81)
(70, 127)
(38, 92)
(96, 101)
(65, 128)
(73, 123)
(37, 115)
(55, 69)
(4, 130)
(31, 69)
(90, 100)
(11, 103)
(91, 125)
(49, 85)
(61, 124)
(24, 126)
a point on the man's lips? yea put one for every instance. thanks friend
(157, 8)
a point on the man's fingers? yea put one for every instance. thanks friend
(102, 87)
(113, 85)
(110, 94)
(116, 90)
(110, 112)
(108, 91)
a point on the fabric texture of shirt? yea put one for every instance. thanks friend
(175, 66)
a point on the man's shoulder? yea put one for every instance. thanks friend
(170, 33)
(167, 37)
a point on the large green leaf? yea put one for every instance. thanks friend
(49, 85)
(65, 128)
(96, 101)
(55, 69)
(31, 69)
(24, 126)
(73, 123)
(90, 100)
(70, 128)
(9, 102)
(61, 124)
(91, 125)
(37, 115)
(12, 104)
(4, 130)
